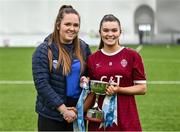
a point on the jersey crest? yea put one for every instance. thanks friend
(124, 62)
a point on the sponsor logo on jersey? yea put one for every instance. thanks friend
(112, 79)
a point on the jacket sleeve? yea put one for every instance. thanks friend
(86, 52)
(41, 76)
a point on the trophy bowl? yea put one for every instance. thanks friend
(98, 87)
(95, 114)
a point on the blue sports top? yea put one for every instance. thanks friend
(73, 89)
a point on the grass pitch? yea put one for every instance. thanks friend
(158, 109)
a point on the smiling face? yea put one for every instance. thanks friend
(69, 28)
(110, 32)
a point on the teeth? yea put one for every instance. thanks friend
(110, 39)
(70, 33)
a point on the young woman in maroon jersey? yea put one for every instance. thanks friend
(123, 66)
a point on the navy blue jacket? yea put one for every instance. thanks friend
(50, 86)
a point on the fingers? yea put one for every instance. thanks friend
(73, 109)
(110, 90)
(83, 81)
(70, 115)
(69, 119)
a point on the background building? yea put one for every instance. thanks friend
(27, 22)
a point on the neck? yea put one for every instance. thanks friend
(65, 42)
(111, 48)
(69, 42)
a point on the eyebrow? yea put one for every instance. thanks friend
(109, 28)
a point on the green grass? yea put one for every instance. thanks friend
(162, 62)
(159, 109)
(17, 108)
(15, 63)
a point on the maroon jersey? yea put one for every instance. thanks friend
(125, 67)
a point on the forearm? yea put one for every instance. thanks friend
(139, 89)
(89, 101)
(62, 108)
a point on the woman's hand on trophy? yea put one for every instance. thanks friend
(111, 89)
(84, 81)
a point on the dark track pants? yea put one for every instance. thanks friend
(46, 124)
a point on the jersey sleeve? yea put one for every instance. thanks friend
(139, 75)
(90, 66)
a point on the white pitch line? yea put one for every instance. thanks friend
(15, 82)
(164, 82)
(163, 60)
(138, 49)
(31, 82)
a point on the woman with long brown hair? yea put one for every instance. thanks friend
(57, 65)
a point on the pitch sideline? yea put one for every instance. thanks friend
(31, 82)
(139, 48)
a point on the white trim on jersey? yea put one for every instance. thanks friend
(111, 54)
(140, 81)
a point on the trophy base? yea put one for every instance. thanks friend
(94, 115)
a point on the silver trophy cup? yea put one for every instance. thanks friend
(95, 114)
